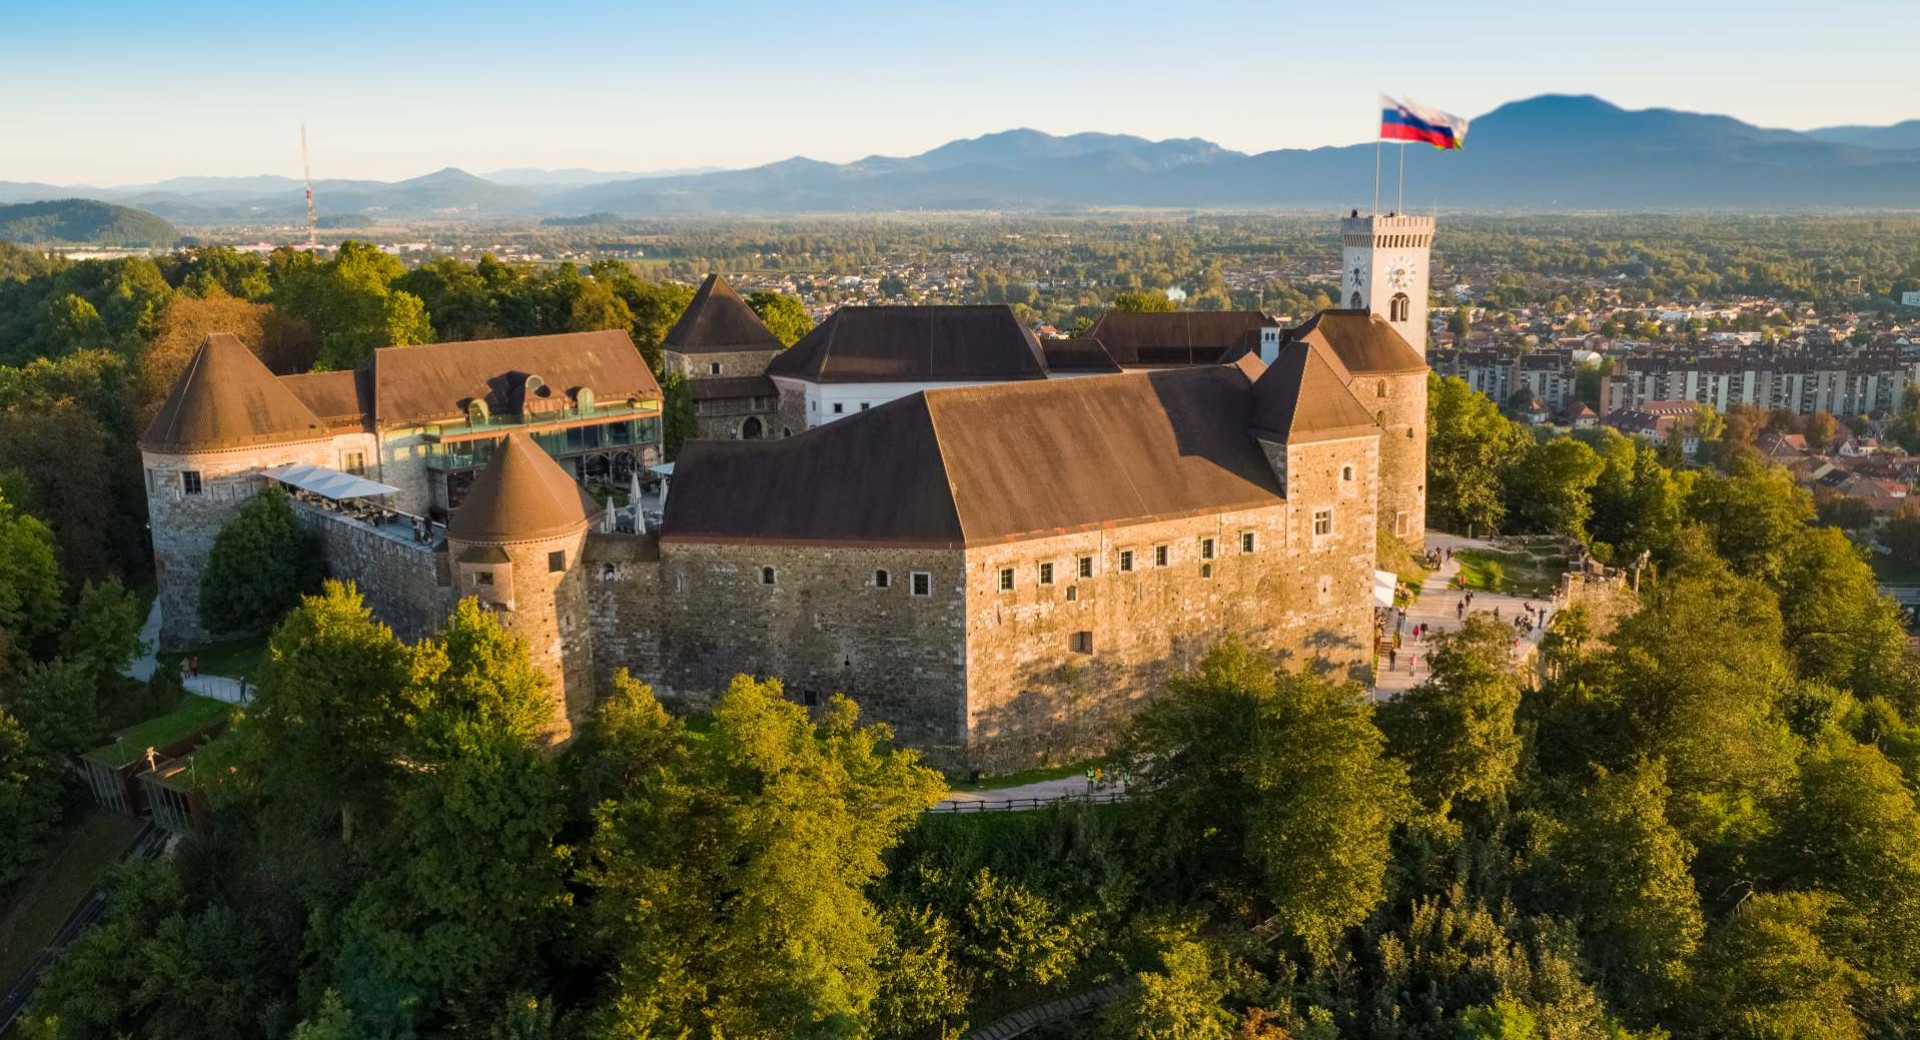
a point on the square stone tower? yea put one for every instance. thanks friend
(1383, 263)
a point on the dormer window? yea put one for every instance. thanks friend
(583, 400)
(534, 386)
(477, 414)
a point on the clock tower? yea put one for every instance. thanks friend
(1383, 270)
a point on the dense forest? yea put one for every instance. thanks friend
(63, 221)
(1698, 823)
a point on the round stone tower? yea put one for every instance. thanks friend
(515, 544)
(226, 419)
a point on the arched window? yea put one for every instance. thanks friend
(1355, 303)
(752, 429)
(1399, 307)
(477, 412)
(1380, 389)
(583, 400)
(1346, 473)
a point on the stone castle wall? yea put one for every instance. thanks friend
(184, 526)
(1403, 451)
(732, 363)
(546, 603)
(401, 582)
(687, 617)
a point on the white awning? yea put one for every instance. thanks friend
(329, 483)
(1383, 586)
(665, 469)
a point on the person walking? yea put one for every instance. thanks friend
(1392, 657)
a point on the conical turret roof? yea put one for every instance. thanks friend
(522, 495)
(718, 320)
(226, 398)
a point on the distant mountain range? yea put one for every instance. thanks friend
(1549, 152)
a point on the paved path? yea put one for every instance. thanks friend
(1031, 796)
(143, 666)
(1439, 609)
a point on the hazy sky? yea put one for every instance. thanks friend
(121, 91)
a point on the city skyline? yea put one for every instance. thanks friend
(390, 93)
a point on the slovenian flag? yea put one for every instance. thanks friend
(1406, 121)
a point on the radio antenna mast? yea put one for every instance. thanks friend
(307, 165)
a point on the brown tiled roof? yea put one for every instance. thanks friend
(980, 465)
(1081, 356)
(342, 399)
(521, 496)
(900, 344)
(731, 387)
(1250, 366)
(226, 398)
(433, 382)
(1140, 340)
(1366, 344)
(1303, 397)
(717, 321)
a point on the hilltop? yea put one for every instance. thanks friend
(83, 221)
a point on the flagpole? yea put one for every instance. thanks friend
(1400, 196)
(1376, 176)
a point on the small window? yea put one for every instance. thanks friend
(1081, 642)
(1380, 389)
(1126, 561)
(766, 576)
(1399, 307)
(1085, 566)
(1206, 548)
(1206, 570)
(1006, 579)
(922, 583)
(1073, 593)
(864, 406)
(1247, 542)
(150, 481)
(839, 408)
(1346, 474)
(190, 481)
(1046, 574)
(483, 578)
(713, 368)
(882, 580)
(1161, 556)
(556, 561)
(1322, 522)
(354, 462)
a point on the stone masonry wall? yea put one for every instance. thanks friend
(691, 620)
(732, 363)
(400, 581)
(184, 526)
(550, 611)
(1056, 668)
(1403, 451)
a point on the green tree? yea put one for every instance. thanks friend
(1773, 973)
(731, 893)
(29, 789)
(785, 316)
(262, 562)
(1755, 515)
(1627, 871)
(1838, 626)
(1550, 489)
(1152, 302)
(1470, 445)
(1271, 781)
(678, 423)
(31, 610)
(1455, 731)
(1181, 1000)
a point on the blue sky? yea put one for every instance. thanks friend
(120, 91)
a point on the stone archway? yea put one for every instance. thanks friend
(753, 429)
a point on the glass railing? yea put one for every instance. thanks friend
(510, 423)
(616, 435)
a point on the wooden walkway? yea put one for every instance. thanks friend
(1033, 1016)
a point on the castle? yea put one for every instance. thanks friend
(996, 544)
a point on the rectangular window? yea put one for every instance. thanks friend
(1206, 548)
(1246, 542)
(150, 482)
(1161, 556)
(1046, 574)
(922, 583)
(1086, 566)
(881, 580)
(1322, 522)
(1206, 570)
(713, 368)
(1126, 561)
(354, 462)
(839, 408)
(190, 481)
(1006, 579)
(556, 561)
(864, 406)
(1081, 642)
(483, 578)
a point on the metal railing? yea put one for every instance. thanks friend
(971, 805)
